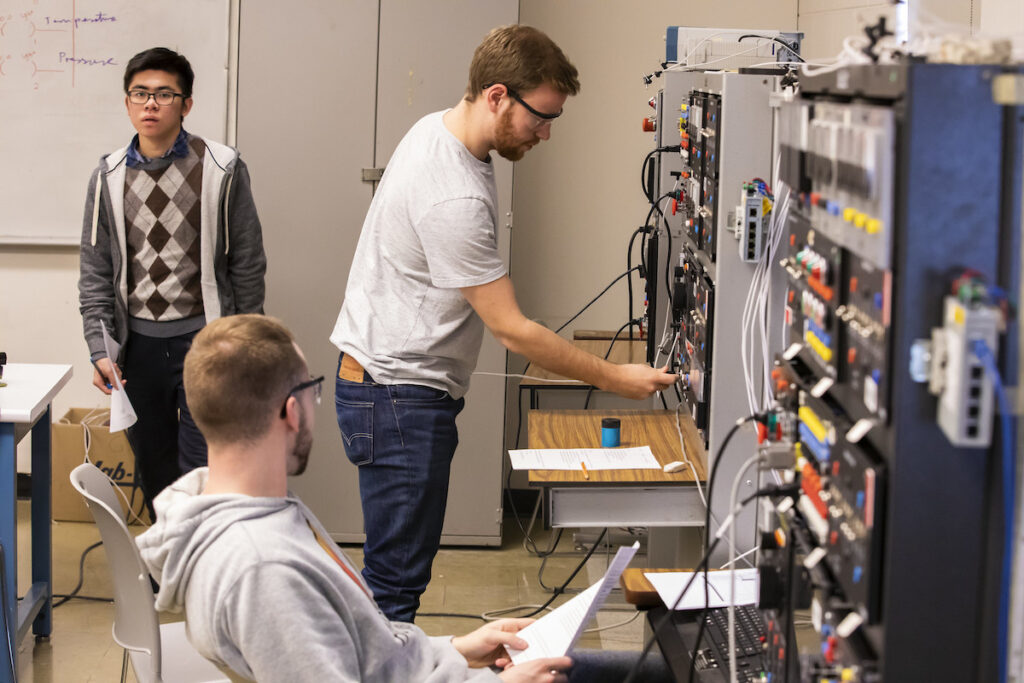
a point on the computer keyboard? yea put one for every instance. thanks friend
(677, 643)
(750, 638)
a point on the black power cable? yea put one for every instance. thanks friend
(590, 391)
(561, 589)
(791, 48)
(629, 269)
(81, 578)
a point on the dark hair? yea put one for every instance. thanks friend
(161, 59)
(522, 58)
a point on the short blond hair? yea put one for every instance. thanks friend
(238, 374)
(522, 58)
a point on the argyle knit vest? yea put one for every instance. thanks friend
(162, 218)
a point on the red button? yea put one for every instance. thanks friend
(853, 284)
(851, 355)
(833, 538)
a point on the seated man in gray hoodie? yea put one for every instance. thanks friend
(265, 591)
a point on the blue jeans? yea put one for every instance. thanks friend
(402, 437)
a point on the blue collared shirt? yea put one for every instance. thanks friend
(177, 151)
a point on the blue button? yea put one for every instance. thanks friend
(860, 499)
(832, 208)
(857, 573)
(876, 375)
(878, 300)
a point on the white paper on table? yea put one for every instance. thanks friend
(670, 584)
(122, 415)
(555, 634)
(636, 458)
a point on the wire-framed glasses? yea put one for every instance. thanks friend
(318, 388)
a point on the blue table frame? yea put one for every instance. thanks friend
(35, 607)
(25, 408)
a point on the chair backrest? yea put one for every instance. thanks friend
(136, 625)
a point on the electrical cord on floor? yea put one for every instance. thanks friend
(81, 577)
(561, 589)
(451, 615)
(90, 598)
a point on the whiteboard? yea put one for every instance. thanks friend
(62, 97)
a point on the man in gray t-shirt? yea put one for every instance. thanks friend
(426, 278)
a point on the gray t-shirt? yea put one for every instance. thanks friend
(430, 230)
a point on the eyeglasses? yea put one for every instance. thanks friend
(318, 388)
(543, 116)
(161, 97)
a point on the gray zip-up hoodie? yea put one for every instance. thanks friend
(232, 262)
(262, 596)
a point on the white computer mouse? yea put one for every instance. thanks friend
(673, 466)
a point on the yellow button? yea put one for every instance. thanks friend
(849, 674)
(874, 226)
(848, 214)
(860, 219)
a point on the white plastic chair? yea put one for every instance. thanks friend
(159, 653)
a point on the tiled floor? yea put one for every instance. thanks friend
(466, 580)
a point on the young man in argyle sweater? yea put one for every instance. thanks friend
(170, 241)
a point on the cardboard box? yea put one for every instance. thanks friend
(110, 452)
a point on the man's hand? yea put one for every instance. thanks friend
(485, 646)
(640, 381)
(105, 374)
(546, 670)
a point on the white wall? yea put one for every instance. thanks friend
(39, 321)
(825, 23)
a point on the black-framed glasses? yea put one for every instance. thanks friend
(318, 389)
(161, 97)
(543, 116)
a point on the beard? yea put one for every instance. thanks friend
(505, 142)
(303, 445)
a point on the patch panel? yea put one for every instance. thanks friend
(750, 224)
(727, 140)
(883, 219)
(847, 189)
(856, 483)
(966, 404)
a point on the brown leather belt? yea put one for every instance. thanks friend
(350, 370)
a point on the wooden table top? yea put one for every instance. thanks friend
(604, 334)
(582, 429)
(623, 351)
(638, 589)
